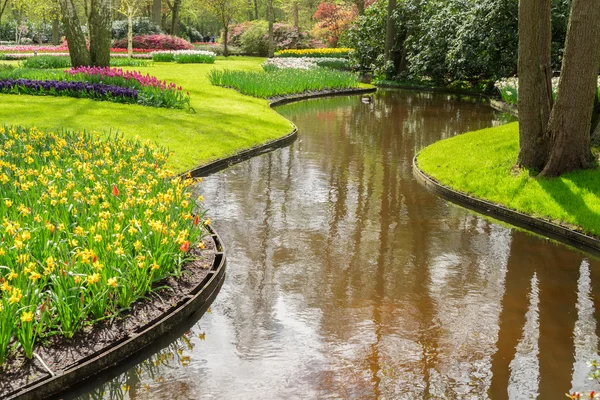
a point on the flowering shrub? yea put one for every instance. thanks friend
(314, 53)
(89, 226)
(185, 56)
(155, 42)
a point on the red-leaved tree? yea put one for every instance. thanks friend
(332, 20)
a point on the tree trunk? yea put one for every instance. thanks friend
(3, 5)
(156, 11)
(225, 41)
(596, 136)
(100, 23)
(570, 119)
(390, 31)
(75, 38)
(535, 86)
(130, 34)
(255, 9)
(296, 16)
(250, 10)
(55, 32)
(360, 5)
(175, 18)
(271, 17)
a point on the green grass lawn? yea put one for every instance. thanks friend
(482, 164)
(225, 121)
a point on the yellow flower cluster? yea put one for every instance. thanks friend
(86, 224)
(326, 52)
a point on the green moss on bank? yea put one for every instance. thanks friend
(482, 164)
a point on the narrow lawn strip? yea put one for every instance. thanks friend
(482, 164)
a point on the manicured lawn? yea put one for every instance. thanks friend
(225, 121)
(482, 164)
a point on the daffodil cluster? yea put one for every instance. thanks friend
(86, 227)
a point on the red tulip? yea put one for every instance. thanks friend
(115, 190)
(196, 220)
(185, 246)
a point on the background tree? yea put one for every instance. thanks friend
(130, 8)
(270, 18)
(225, 11)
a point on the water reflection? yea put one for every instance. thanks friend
(347, 279)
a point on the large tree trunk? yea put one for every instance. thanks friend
(100, 23)
(75, 38)
(390, 31)
(175, 17)
(156, 11)
(570, 119)
(535, 85)
(271, 17)
(55, 32)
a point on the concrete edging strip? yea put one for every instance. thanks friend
(546, 228)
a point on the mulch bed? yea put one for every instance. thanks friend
(61, 354)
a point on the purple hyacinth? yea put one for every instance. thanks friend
(69, 88)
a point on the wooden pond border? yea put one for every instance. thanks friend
(127, 347)
(540, 226)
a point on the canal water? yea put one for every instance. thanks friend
(347, 279)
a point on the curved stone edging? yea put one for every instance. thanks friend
(494, 102)
(121, 350)
(537, 225)
(226, 162)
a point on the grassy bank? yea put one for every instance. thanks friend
(482, 164)
(225, 121)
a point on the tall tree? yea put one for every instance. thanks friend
(100, 24)
(130, 8)
(156, 12)
(390, 32)
(175, 7)
(271, 39)
(225, 11)
(570, 118)
(75, 37)
(535, 85)
(3, 4)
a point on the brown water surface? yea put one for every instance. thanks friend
(347, 279)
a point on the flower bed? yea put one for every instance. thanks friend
(185, 56)
(112, 84)
(283, 82)
(86, 90)
(314, 53)
(88, 226)
(509, 88)
(305, 63)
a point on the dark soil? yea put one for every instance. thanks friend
(61, 354)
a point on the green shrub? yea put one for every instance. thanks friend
(55, 62)
(254, 40)
(47, 62)
(163, 57)
(282, 82)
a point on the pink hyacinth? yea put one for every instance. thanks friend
(144, 80)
